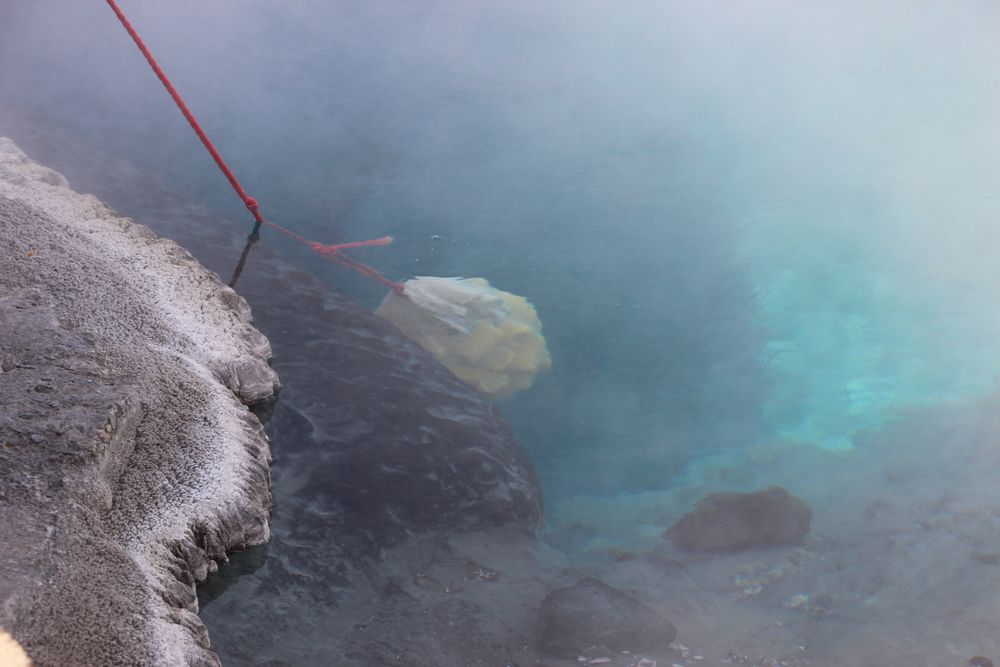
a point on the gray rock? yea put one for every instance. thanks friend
(593, 613)
(127, 470)
(726, 522)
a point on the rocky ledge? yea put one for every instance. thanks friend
(129, 462)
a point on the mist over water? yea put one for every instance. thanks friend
(741, 223)
(736, 221)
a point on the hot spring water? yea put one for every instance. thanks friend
(745, 228)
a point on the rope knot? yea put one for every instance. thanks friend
(251, 204)
(323, 248)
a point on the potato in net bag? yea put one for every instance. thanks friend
(489, 338)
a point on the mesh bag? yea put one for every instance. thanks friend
(490, 339)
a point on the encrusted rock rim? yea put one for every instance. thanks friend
(162, 470)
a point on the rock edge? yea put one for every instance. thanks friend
(129, 464)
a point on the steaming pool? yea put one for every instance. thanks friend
(762, 241)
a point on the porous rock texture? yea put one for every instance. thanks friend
(128, 463)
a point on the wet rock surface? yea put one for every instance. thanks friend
(726, 522)
(128, 466)
(591, 612)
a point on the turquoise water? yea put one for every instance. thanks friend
(855, 335)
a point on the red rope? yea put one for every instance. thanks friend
(331, 252)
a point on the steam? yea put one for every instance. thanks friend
(739, 221)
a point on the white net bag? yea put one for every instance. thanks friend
(489, 338)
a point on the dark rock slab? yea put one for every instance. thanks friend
(593, 613)
(398, 445)
(726, 522)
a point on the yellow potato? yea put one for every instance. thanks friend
(490, 339)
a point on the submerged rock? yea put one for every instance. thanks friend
(592, 613)
(128, 464)
(723, 522)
